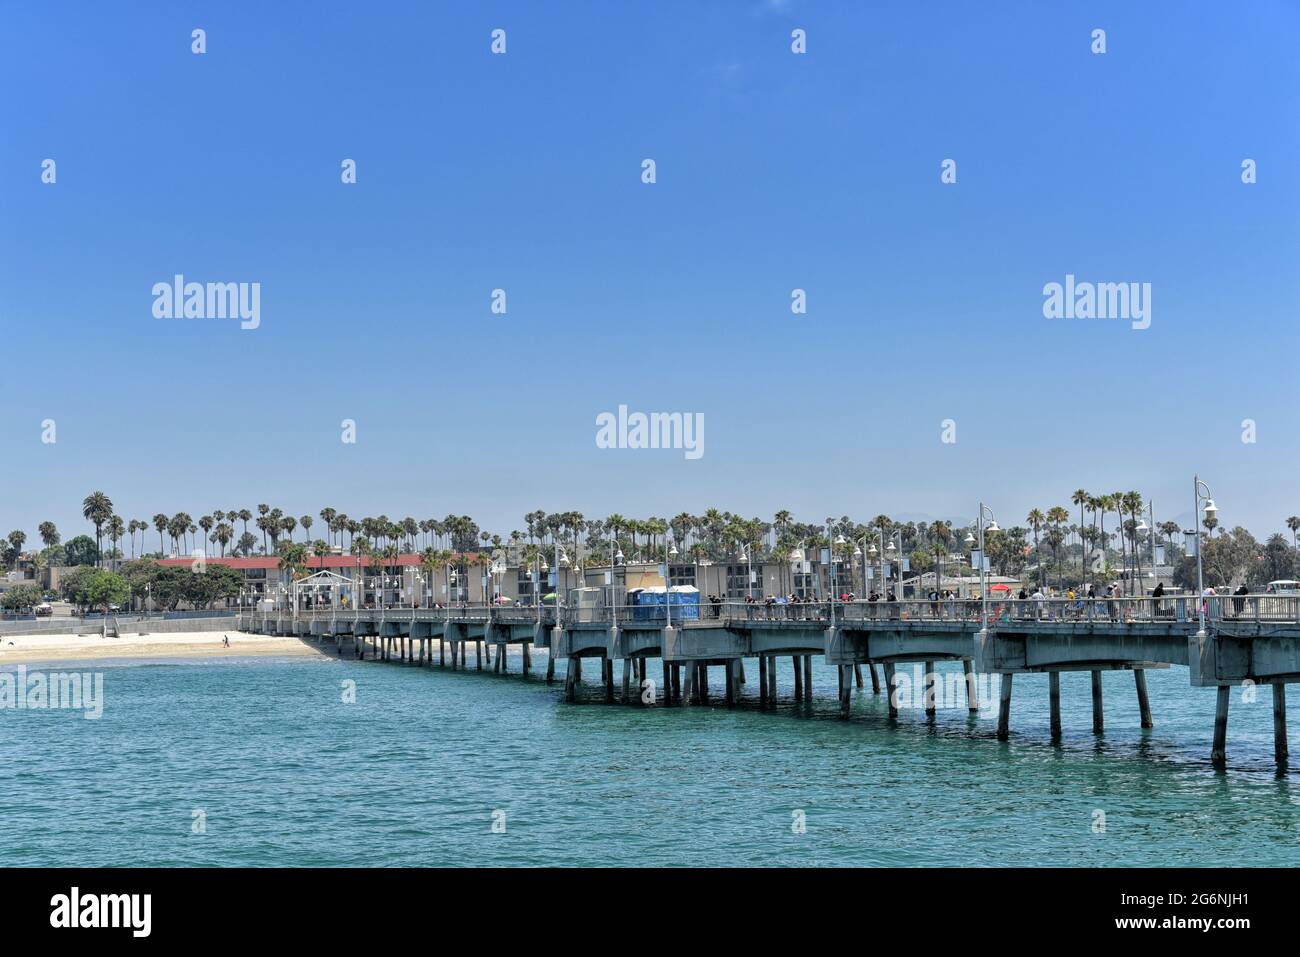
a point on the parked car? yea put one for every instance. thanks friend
(44, 609)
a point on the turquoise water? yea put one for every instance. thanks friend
(285, 773)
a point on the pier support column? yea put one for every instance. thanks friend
(550, 665)
(442, 652)
(487, 650)
(740, 674)
(478, 655)
(1144, 703)
(1004, 708)
(807, 677)
(703, 686)
(1054, 703)
(762, 681)
(798, 678)
(686, 697)
(972, 686)
(1098, 722)
(1280, 749)
(627, 680)
(667, 690)
(857, 675)
(889, 689)
(571, 679)
(1219, 752)
(771, 681)
(928, 689)
(730, 682)
(875, 679)
(503, 658)
(607, 672)
(527, 650)
(846, 690)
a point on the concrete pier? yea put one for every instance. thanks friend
(1258, 642)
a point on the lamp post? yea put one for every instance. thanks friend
(984, 592)
(838, 542)
(614, 562)
(1210, 510)
(670, 552)
(749, 570)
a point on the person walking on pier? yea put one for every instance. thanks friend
(1156, 594)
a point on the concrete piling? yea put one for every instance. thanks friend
(1280, 749)
(1144, 703)
(1054, 703)
(1219, 751)
(1004, 708)
(1098, 721)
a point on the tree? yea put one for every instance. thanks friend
(16, 539)
(107, 588)
(161, 522)
(81, 551)
(1293, 523)
(49, 534)
(20, 597)
(1035, 520)
(96, 508)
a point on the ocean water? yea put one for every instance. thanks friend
(281, 771)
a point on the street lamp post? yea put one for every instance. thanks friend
(984, 591)
(1210, 510)
(670, 552)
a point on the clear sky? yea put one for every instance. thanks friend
(522, 171)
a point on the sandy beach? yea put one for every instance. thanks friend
(24, 649)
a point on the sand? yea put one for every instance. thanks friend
(16, 649)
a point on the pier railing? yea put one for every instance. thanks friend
(1183, 609)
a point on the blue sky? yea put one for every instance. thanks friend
(775, 171)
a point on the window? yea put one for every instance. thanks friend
(524, 583)
(681, 575)
(803, 585)
(738, 581)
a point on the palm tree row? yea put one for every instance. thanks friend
(713, 535)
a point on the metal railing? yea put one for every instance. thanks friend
(1181, 609)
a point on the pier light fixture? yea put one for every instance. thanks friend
(970, 538)
(672, 551)
(618, 558)
(840, 540)
(1201, 491)
(857, 550)
(1141, 527)
(890, 547)
(992, 526)
(872, 549)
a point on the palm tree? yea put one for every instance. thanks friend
(49, 534)
(1293, 523)
(328, 515)
(1058, 516)
(223, 534)
(1081, 498)
(1035, 520)
(116, 529)
(305, 521)
(97, 508)
(940, 535)
(1133, 505)
(161, 522)
(206, 523)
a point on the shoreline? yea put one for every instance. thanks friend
(28, 649)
